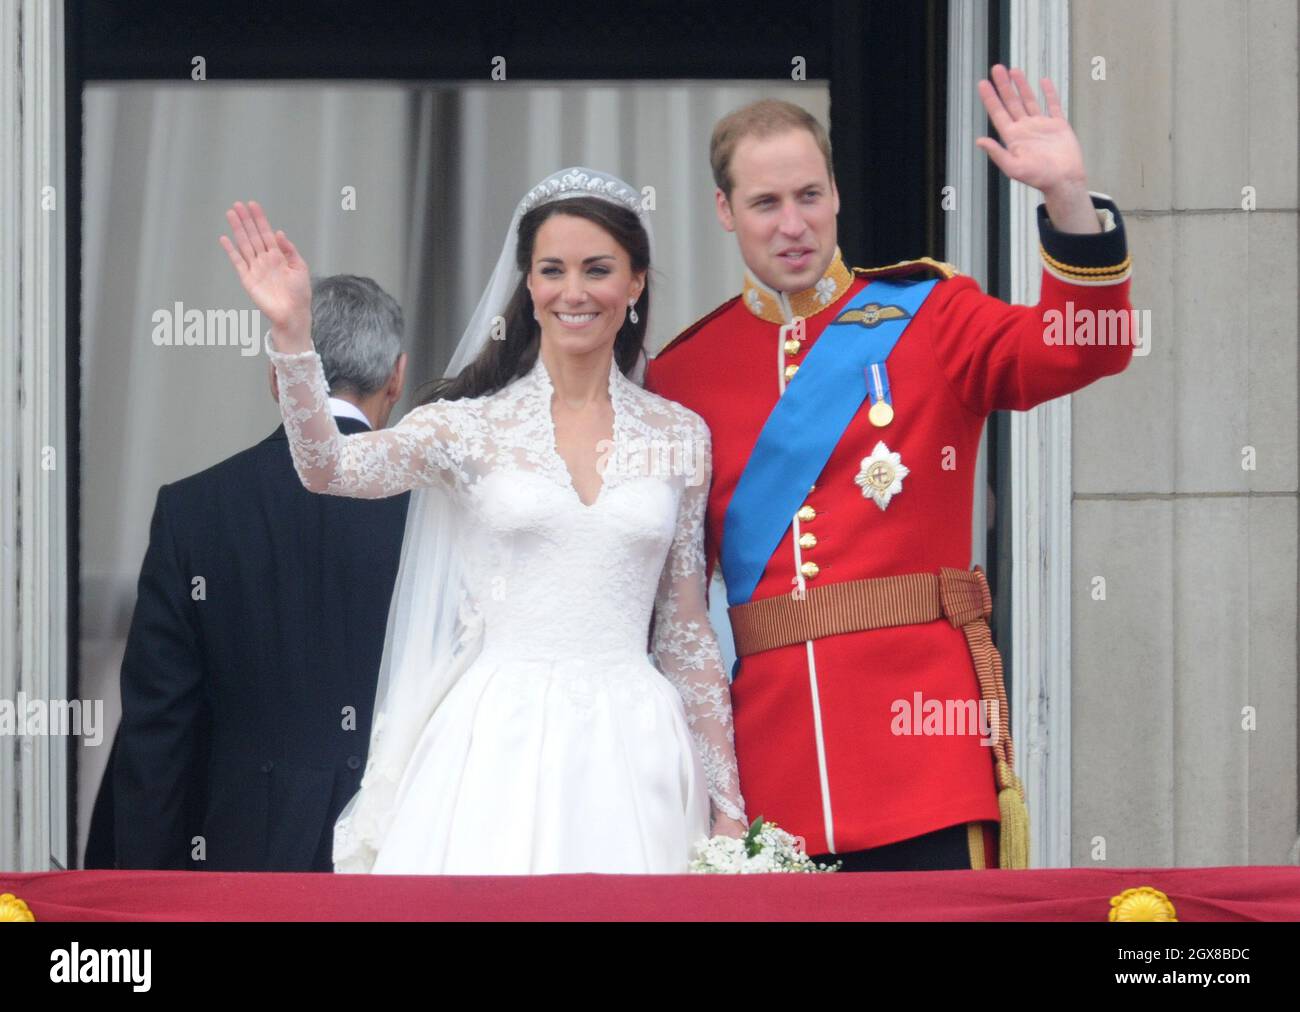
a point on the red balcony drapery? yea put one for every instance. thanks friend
(1266, 893)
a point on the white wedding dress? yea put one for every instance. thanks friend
(561, 748)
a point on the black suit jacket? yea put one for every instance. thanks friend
(258, 627)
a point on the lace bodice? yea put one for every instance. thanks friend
(550, 576)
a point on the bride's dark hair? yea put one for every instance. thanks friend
(504, 360)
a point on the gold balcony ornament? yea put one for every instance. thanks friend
(14, 909)
(1141, 904)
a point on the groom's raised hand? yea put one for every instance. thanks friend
(1038, 149)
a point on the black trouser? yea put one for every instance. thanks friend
(941, 850)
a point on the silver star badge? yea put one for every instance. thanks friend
(881, 475)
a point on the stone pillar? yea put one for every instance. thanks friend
(1184, 716)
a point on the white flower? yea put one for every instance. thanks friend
(776, 851)
(825, 290)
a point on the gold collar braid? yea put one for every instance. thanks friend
(764, 303)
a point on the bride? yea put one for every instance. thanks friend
(519, 726)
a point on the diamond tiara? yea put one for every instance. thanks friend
(580, 184)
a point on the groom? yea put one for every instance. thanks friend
(846, 407)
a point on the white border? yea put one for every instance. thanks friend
(1041, 496)
(966, 226)
(33, 519)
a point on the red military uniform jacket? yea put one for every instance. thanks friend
(813, 721)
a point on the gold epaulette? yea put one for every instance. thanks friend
(924, 266)
(695, 326)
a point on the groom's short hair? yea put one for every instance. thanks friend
(763, 118)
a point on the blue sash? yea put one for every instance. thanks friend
(806, 425)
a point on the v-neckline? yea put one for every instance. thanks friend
(546, 391)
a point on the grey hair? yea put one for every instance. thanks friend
(357, 329)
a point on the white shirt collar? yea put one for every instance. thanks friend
(340, 408)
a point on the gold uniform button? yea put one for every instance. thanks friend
(790, 370)
(806, 513)
(807, 540)
(810, 569)
(792, 348)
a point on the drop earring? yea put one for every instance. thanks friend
(632, 311)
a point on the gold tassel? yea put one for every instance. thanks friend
(1013, 834)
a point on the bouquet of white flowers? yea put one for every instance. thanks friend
(766, 847)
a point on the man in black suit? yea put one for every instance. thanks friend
(250, 666)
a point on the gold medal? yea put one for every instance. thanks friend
(881, 414)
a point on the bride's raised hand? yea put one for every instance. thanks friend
(273, 274)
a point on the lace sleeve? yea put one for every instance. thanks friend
(428, 446)
(687, 650)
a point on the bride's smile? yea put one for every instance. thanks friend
(576, 320)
